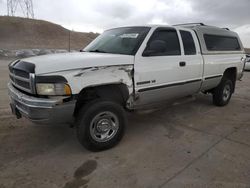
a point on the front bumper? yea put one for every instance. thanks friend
(41, 110)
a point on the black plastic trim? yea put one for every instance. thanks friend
(168, 85)
(143, 82)
(23, 66)
(51, 79)
(211, 77)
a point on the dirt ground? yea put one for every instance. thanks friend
(190, 144)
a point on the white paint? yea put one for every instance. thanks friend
(80, 79)
(88, 69)
(68, 61)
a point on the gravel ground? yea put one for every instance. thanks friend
(189, 144)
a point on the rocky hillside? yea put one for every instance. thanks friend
(23, 33)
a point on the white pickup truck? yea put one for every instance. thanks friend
(124, 69)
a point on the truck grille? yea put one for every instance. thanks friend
(22, 76)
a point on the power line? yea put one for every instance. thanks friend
(25, 6)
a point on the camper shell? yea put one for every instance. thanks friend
(224, 35)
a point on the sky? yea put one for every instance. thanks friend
(99, 15)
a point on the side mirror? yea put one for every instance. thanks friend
(155, 47)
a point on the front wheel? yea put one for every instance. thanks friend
(100, 125)
(222, 94)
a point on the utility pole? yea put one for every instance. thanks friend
(23, 6)
(69, 39)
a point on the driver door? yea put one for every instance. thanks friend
(160, 73)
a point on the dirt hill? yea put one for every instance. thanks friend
(247, 50)
(16, 33)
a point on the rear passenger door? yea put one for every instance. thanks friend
(173, 73)
(192, 57)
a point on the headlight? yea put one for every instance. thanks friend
(53, 89)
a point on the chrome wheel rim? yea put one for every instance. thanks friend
(104, 126)
(226, 92)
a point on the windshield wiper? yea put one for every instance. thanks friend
(98, 51)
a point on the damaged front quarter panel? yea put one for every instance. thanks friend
(96, 76)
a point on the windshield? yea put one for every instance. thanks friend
(125, 40)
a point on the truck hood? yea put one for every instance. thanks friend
(68, 61)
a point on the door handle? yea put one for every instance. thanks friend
(182, 64)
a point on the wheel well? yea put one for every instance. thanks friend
(231, 74)
(115, 92)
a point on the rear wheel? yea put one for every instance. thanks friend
(100, 125)
(223, 92)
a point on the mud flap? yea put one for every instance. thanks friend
(15, 111)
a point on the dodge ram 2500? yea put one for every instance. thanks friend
(125, 68)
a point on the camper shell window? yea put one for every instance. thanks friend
(221, 43)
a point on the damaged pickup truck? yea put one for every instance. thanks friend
(122, 70)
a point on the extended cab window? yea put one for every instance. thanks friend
(164, 42)
(188, 43)
(221, 43)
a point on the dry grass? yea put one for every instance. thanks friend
(16, 33)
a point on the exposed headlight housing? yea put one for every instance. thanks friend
(55, 85)
(52, 89)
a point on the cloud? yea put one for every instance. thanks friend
(244, 32)
(117, 10)
(229, 12)
(95, 15)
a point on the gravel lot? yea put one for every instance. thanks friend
(189, 144)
